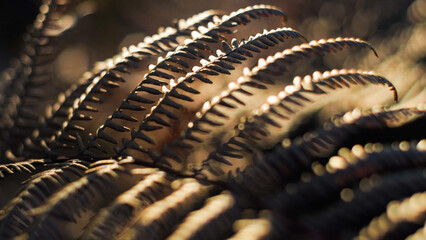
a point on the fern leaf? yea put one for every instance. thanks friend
(158, 220)
(256, 229)
(410, 210)
(181, 137)
(191, 50)
(211, 221)
(117, 217)
(13, 176)
(19, 115)
(288, 161)
(182, 99)
(16, 218)
(284, 105)
(165, 41)
(226, 105)
(345, 172)
(357, 206)
(79, 200)
(419, 234)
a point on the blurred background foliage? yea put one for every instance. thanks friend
(395, 28)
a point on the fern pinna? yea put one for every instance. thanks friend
(206, 131)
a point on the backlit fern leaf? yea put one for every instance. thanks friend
(252, 130)
(286, 162)
(165, 70)
(166, 40)
(131, 64)
(198, 132)
(179, 103)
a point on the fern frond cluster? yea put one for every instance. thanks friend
(205, 131)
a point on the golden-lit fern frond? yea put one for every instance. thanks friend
(131, 62)
(172, 66)
(206, 131)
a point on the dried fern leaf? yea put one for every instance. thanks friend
(308, 153)
(212, 221)
(184, 98)
(158, 220)
(116, 217)
(253, 129)
(166, 69)
(67, 212)
(410, 210)
(15, 217)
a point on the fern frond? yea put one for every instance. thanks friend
(239, 95)
(167, 39)
(15, 218)
(255, 229)
(158, 220)
(280, 108)
(309, 153)
(21, 113)
(178, 104)
(345, 172)
(410, 210)
(165, 70)
(125, 62)
(27, 166)
(79, 200)
(357, 206)
(211, 221)
(202, 131)
(419, 234)
(14, 176)
(118, 216)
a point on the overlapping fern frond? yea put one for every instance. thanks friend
(204, 131)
